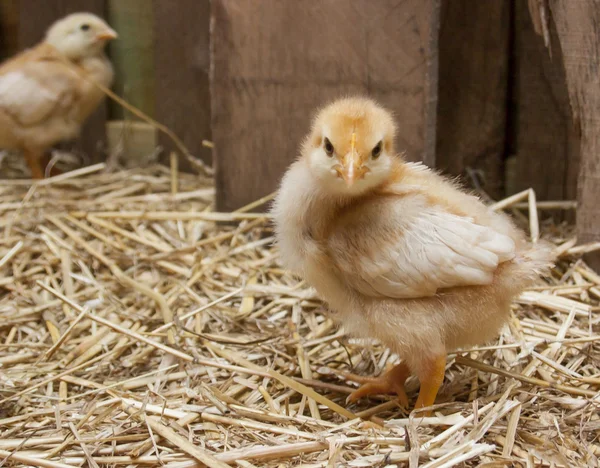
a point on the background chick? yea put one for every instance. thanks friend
(399, 252)
(44, 100)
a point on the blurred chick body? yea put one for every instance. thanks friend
(44, 98)
(398, 252)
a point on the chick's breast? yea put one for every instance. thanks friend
(302, 222)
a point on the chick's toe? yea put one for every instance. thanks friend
(391, 381)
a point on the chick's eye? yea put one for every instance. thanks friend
(328, 147)
(377, 150)
(85, 27)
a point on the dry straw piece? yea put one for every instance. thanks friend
(138, 330)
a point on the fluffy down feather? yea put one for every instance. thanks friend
(402, 254)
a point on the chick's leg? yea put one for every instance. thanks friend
(431, 376)
(390, 382)
(34, 161)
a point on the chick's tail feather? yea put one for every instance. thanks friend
(527, 266)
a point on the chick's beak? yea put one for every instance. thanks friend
(107, 35)
(350, 169)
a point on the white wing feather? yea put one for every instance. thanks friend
(28, 99)
(432, 251)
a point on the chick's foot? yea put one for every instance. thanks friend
(32, 158)
(390, 382)
(431, 376)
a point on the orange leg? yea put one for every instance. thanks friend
(33, 160)
(390, 382)
(431, 377)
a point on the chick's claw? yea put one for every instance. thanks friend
(391, 381)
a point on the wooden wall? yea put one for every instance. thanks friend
(578, 29)
(502, 99)
(474, 54)
(9, 28)
(248, 75)
(182, 61)
(132, 55)
(543, 136)
(268, 80)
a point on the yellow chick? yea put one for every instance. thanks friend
(45, 100)
(399, 252)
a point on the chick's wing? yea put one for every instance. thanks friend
(37, 90)
(407, 249)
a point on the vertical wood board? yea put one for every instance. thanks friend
(9, 28)
(577, 25)
(473, 89)
(132, 55)
(544, 138)
(274, 63)
(182, 62)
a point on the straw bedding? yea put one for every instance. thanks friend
(137, 329)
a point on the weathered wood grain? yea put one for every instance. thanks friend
(181, 63)
(578, 28)
(544, 137)
(473, 89)
(35, 16)
(274, 63)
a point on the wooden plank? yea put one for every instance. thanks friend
(9, 28)
(544, 138)
(182, 62)
(578, 28)
(132, 55)
(274, 63)
(473, 90)
(32, 28)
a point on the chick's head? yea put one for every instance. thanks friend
(351, 146)
(80, 35)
